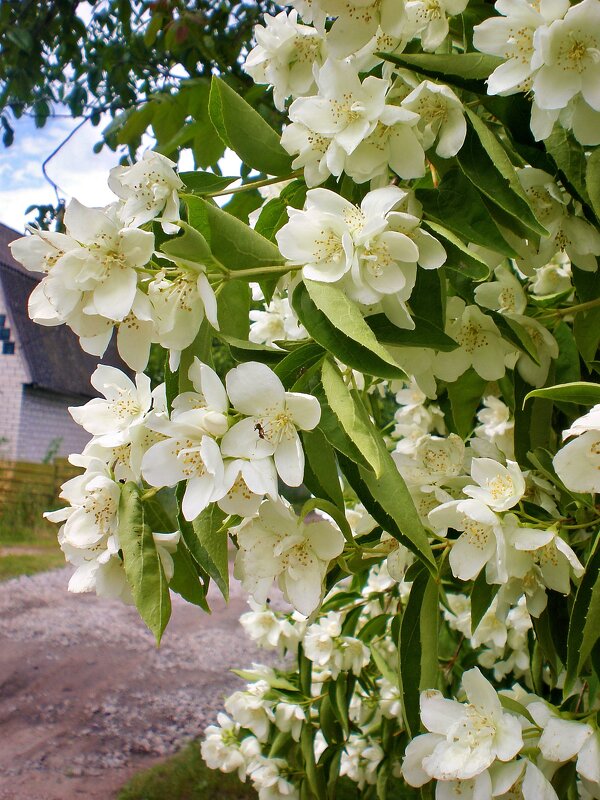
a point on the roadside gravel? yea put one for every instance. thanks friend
(86, 699)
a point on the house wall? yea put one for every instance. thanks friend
(13, 374)
(46, 426)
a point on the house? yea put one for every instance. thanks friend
(43, 370)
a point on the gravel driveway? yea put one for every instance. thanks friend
(86, 699)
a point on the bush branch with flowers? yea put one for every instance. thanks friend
(413, 315)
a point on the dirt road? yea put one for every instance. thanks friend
(86, 699)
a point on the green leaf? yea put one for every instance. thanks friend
(231, 241)
(417, 617)
(514, 707)
(567, 363)
(459, 255)
(390, 504)
(586, 394)
(487, 165)
(592, 181)
(425, 334)
(569, 157)
(186, 580)
(586, 329)
(142, 564)
(210, 547)
(243, 130)
(351, 415)
(329, 425)
(233, 309)
(482, 597)
(467, 70)
(190, 250)
(336, 323)
(206, 182)
(584, 624)
(291, 368)
(457, 205)
(465, 398)
(322, 464)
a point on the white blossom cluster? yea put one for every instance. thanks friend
(551, 50)
(484, 744)
(340, 122)
(100, 275)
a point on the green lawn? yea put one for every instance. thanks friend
(185, 776)
(27, 542)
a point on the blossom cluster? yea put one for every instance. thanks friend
(340, 123)
(483, 744)
(549, 50)
(103, 273)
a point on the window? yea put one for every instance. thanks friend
(8, 348)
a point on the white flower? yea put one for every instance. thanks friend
(543, 555)
(552, 278)
(358, 20)
(251, 709)
(546, 347)
(464, 739)
(284, 56)
(99, 276)
(505, 295)
(512, 37)
(428, 19)
(319, 641)
(481, 542)
(189, 453)
(345, 109)
(270, 630)
(276, 322)
(179, 304)
(125, 406)
(290, 717)
(441, 117)
(40, 251)
(349, 127)
(500, 487)
(360, 758)
(434, 460)
(272, 417)
(577, 464)
(481, 345)
(221, 749)
(496, 424)
(520, 778)
(569, 233)
(148, 188)
(278, 544)
(568, 58)
(563, 740)
(268, 778)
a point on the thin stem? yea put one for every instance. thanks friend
(252, 185)
(277, 269)
(563, 312)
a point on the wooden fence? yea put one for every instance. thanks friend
(22, 482)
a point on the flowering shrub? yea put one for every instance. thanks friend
(414, 316)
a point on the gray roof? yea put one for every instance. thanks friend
(53, 354)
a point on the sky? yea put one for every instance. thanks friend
(77, 170)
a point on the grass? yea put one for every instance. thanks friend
(185, 776)
(27, 541)
(13, 565)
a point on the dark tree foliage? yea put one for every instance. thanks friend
(87, 58)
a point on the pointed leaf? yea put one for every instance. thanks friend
(141, 562)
